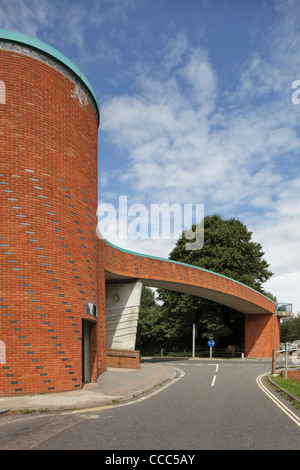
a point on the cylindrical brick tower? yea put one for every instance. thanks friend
(48, 244)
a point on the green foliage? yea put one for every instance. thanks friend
(292, 386)
(290, 329)
(228, 250)
(150, 331)
(180, 311)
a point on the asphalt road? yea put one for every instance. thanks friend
(215, 405)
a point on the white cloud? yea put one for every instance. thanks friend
(184, 148)
(24, 16)
(183, 138)
(287, 286)
(187, 140)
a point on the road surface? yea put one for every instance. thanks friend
(214, 405)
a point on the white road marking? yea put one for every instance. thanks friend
(215, 365)
(284, 408)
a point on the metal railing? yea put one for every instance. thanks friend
(284, 310)
(281, 307)
(201, 353)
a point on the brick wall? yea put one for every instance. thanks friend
(262, 334)
(48, 242)
(208, 284)
(262, 328)
(292, 374)
(101, 324)
(51, 261)
(123, 358)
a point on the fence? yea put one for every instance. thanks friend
(220, 353)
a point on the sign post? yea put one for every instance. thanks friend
(286, 359)
(210, 343)
(273, 361)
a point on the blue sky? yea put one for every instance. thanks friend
(196, 107)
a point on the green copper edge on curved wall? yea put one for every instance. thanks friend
(179, 262)
(21, 38)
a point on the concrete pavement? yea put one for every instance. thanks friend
(113, 386)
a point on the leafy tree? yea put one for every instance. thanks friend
(180, 311)
(150, 332)
(228, 250)
(290, 329)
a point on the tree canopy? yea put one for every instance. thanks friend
(229, 250)
(151, 330)
(290, 329)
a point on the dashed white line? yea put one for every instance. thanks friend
(215, 365)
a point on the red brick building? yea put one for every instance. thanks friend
(54, 269)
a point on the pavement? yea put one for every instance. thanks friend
(113, 386)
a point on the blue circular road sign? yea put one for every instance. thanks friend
(210, 343)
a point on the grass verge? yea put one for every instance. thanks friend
(287, 385)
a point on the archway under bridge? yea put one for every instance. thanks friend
(125, 268)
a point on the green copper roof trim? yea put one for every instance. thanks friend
(21, 38)
(183, 264)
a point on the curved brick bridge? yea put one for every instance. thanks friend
(60, 309)
(262, 329)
